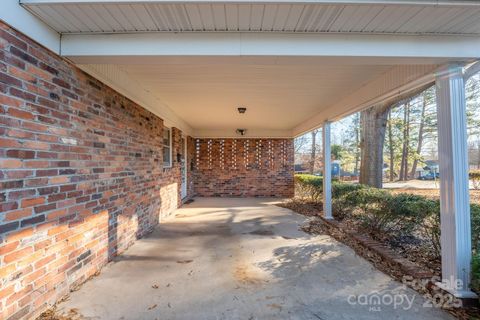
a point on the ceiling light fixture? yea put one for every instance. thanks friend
(242, 110)
(241, 131)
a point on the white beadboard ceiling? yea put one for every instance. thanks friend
(410, 17)
(283, 98)
(277, 97)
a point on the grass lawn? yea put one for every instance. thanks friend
(435, 193)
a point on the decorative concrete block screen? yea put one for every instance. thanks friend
(244, 167)
(81, 175)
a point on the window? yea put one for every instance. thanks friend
(167, 147)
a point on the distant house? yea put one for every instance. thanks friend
(429, 170)
(300, 168)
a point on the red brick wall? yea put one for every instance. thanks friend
(81, 175)
(244, 167)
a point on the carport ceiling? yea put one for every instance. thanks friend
(277, 96)
(292, 63)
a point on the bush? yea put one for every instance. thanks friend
(373, 209)
(309, 186)
(366, 199)
(475, 214)
(416, 210)
(412, 205)
(476, 273)
(429, 229)
(339, 189)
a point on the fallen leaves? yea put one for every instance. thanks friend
(306, 208)
(52, 314)
(184, 261)
(275, 306)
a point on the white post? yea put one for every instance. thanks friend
(327, 172)
(454, 189)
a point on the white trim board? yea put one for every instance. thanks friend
(135, 45)
(22, 20)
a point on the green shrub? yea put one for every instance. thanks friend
(309, 186)
(476, 273)
(415, 209)
(339, 189)
(412, 205)
(475, 214)
(429, 229)
(366, 199)
(309, 179)
(370, 206)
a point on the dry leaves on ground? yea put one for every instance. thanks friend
(52, 314)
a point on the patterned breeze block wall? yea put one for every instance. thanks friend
(244, 167)
(81, 175)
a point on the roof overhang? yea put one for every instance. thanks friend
(404, 62)
(295, 64)
(341, 16)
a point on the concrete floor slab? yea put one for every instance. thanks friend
(220, 258)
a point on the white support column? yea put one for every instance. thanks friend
(327, 172)
(454, 190)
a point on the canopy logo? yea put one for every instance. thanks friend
(376, 300)
(404, 298)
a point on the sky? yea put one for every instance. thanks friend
(337, 128)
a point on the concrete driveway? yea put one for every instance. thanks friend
(242, 259)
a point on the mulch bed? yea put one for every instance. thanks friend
(51, 314)
(402, 262)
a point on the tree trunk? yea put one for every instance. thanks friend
(404, 161)
(313, 152)
(407, 141)
(373, 126)
(401, 175)
(478, 159)
(373, 122)
(420, 139)
(390, 146)
(357, 142)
